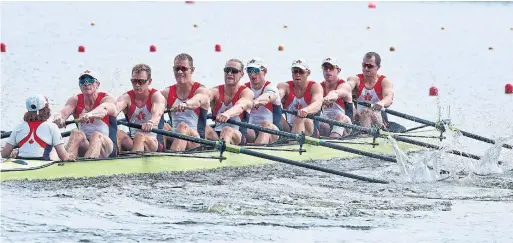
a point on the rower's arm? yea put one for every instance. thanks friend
(245, 102)
(283, 90)
(69, 107)
(7, 150)
(122, 103)
(344, 91)
(157, 108)
(387, 90)
(201, 98)
(353, 82)
(269, 96)
(317, 98)
(214, 96)
(107, 107)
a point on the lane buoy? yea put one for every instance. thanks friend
(508, 89)
(372, 5)
(93, 24)
(189, 2)
(195, 26)
(2, 47)
(217, 48)
(443, 28)
(281, 48)
(392, 48)
(153, 48)
(490, 48)
(433, 91)
(368, 27)
(81, 49)
(285, 26)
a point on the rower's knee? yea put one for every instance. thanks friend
(182, 128)
(226, 131)
(342, 118)
(266, 124)
(139, 136)
(298, 119)
(77, 134)
(95, 136)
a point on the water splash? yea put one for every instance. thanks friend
(413, 170)
(488, 164)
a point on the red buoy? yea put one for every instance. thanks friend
(189, 2)
(218, 48)
(2, 47)
(508, 89)
(81, 49)
(372, 5)
(153, 48)
(433, 91)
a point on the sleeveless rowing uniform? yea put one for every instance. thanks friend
(221, 107)
(35, 139)
(270, 112)
(335, 108)
(294, 103)
(372, 95)
(106, 126)
(140, 115)
(195, 119)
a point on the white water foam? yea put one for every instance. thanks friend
(413, 170)
(488, 164)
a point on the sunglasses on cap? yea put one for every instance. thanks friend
(368, 66)
(138, 81)
(231, 70)
(251, 70)
(86, 80)
(181, 68)
(298, 70)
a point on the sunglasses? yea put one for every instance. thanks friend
(139, 81)
(86, 80)
(181, 68)
(368, 66)
(328, 67)
(251, 70)
(298, 70)
(231, 70)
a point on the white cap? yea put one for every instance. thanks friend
(300, 63)
(89, 73)
(36, 102)
(331, 60)
(256, 62)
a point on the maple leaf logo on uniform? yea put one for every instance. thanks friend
(141, 116)
(298, 106)
(368, 97)
(31, 141)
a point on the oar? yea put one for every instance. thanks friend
(222, 146)
(374, 133)
(8, 134)
(438, 126)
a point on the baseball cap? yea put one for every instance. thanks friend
(256, 62)
(89, 72)
(300, 63)
(36, 102)
(331, 60)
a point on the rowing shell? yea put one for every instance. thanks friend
(19, 169)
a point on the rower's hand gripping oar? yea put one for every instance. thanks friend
(223, 146)
(438, 125)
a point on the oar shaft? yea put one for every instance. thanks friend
(487, 140)
(356, 151)
(310, 166)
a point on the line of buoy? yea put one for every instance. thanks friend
(153, 48)
(2, 47)
(217, 48)
(372, 5)
(81, 49)
(508, 89)
(433, 91)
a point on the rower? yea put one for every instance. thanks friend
(96, 112)
(266, 110)
(337, 103)
(145, 106)
(371, 88)
(36, 137)
(231, 100)
(190, 103)
(303, 96)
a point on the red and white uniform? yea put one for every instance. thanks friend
(141, 115)
(372, 95)
(335, 108)
(35, 139)
(189, 117)
(293, 103)
(93, 125)
(222, 107)
(264, 113)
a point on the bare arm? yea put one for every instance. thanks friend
(214, 96)
(107, 107)
(353, 82)
(388, 92)
(158, 107)
(245, 102)
(201, 98)
(61, 152)
(283, 90)
(122, 103)
(6, 152)
(268, 96)
(63, 115)
(317, 98)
